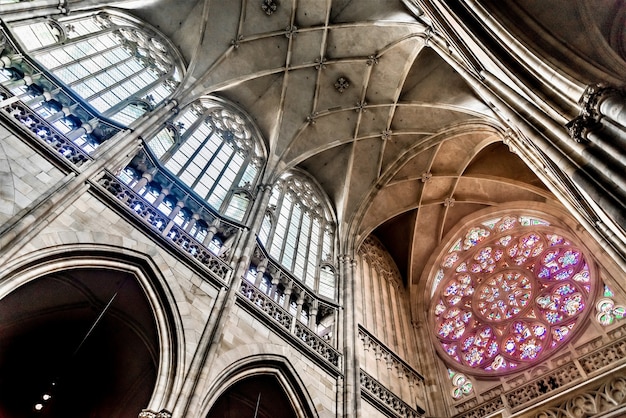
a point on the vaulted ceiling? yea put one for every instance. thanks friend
(348, 91)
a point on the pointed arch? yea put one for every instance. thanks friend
(167, 321)
(274, 367)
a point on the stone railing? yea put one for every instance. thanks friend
(164, 226)
(289, 323)
(373, 391)
(316, 343)
(266, 304)
(42, 130)
(392, 360)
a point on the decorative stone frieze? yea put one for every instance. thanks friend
(601, 399)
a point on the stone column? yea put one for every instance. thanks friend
(189, 398)
(288, 291)
(179, 205)
(352, 383)
(192, 222)
(211, 231)
(161, 197)
(296, 317)
(143, 181)
(313, 315)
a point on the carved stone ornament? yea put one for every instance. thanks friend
(146, 413)
(269, 6)
(594, 402)
(342, 84)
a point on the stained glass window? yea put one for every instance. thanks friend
(514, 291)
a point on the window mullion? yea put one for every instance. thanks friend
(236, 181)
(206, 167)
(68, 41)
(182, 139)
(80, 60)
(195, 154)
(284, 243)
(112, 86)
(138, 94)
(275, 218)
(308, 246)
(221, 174)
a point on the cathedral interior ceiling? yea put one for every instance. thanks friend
(348, 91)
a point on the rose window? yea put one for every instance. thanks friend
(509, 293)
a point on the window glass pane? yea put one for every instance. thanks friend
(237, 207)
(37, 35)
(281, 227)
(266, 226)
(327, 282)
(291, 239)
(130, 113)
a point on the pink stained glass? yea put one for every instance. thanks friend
(474, 236)
(516, 294)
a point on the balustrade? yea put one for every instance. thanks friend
(287, 321)
(42, 130)
(374, 391)
(164, 225)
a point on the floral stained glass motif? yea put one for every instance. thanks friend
(516, 291)
(608, 311)
(462, 385)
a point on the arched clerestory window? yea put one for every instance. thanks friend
(121, 68)
(214, 149)
(298, 232)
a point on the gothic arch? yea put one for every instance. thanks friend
(266, 365)
(99, 258)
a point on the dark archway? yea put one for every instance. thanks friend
(52, 343)
(240, 400)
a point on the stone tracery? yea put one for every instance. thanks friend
(508, 293)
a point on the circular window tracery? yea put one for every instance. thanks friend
(507, 294)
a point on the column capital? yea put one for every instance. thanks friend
(591, 98)
(346, 259)
(265, 187)
(579, 127)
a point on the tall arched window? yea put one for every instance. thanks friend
(213, 149)
(298, 232)
(122, 69)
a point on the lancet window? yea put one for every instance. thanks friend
(120, 68)
(213, 149)
(298, 232)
